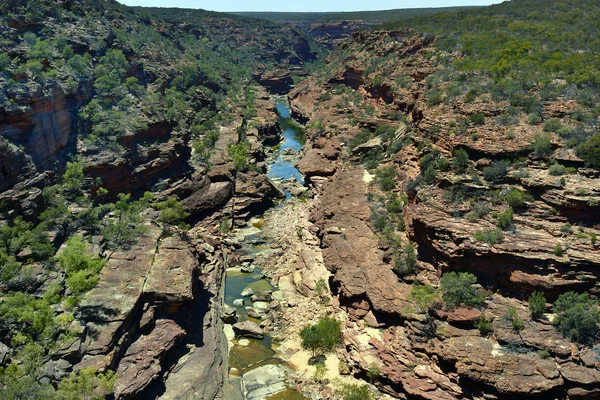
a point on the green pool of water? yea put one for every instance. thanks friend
(287, 394)
(258, 352)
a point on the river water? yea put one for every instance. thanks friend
(263, 352)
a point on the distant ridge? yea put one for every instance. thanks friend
(365, 16)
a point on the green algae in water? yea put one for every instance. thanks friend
(287, 394)
(256, 354)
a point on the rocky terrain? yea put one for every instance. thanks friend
(439, 352)
(449, 218)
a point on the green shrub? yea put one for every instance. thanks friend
(239, 155)
(322, 337)
(477, 119)
(483, 325)
(86, 384)
(542, 145)
(406, 262)
(578, 316)
(429, 175)
(556, 170)
(458, 289)
(513, 317)
(386, 177)
(589, 151)
(537, 305)
(534, 119)
(460, 162)
(380, 222)
(25, 318)
(566, 228)
(478, 210)
(516, 199)
(355, 392)
(489, 236)
(558, 250)
(543, 353)
(82, 268)
(443, 164)
(505, 219)
(552, 125)
(122, 231)
(424, 296)
(172, 211)
(496, 172)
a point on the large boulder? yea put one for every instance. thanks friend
(248, 329)
(264, 381)
(210, 198)
(173, 271)
(141, 363)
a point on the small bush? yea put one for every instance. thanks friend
(489, 236)
(556, 170)
(543, 353)
(429, 175)
(589, 151)
(443, 164)
(483, 325)
(424, 296)
(552, 125)
(505, 219)
(566, 228)
(537, 305)
(460, 162)
(458, 289)
(478, 210)
(542, 145)
(355, 392)
(386, 178)
(513, 317)
(496, 172)
(477, 119)
(578, 316)
(406, 262)
(558, 250)
(533, 119)
(516, 199)
(322, 337)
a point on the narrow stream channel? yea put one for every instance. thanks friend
(248, 354)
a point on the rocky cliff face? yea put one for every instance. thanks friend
(440, 354)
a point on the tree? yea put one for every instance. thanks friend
(589, 151)
(578, 316)
(123, 230)
(457, 289)
(322, 337)
(537, 305)
(172, 211)
(460, 162)
(239, 155)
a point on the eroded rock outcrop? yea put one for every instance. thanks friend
(141, 364)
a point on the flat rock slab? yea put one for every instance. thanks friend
(111, 303)
(173, 271)
(141, 364)
(262, 382)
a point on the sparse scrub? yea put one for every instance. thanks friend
(490, 236)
